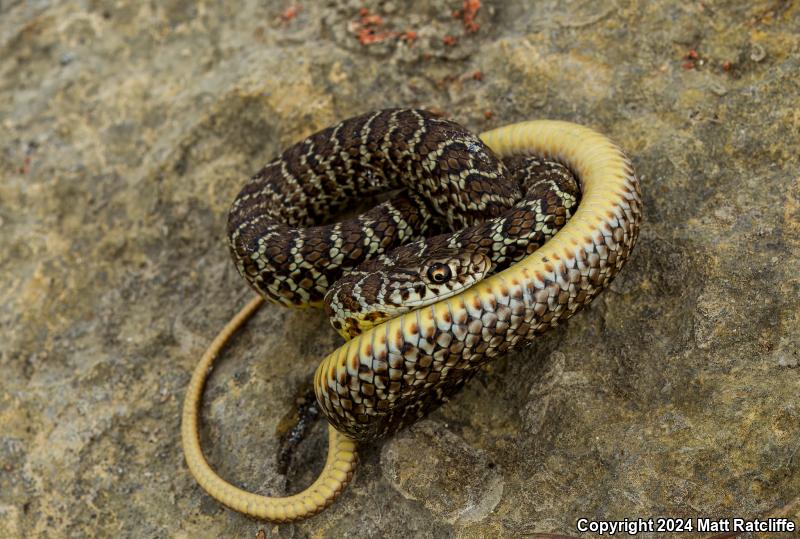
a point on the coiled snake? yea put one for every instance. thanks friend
(404, 361)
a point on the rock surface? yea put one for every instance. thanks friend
(126, 129)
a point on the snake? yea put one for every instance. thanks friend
(397, 368)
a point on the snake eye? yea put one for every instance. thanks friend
(439, 273)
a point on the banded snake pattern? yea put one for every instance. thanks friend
(397, 370)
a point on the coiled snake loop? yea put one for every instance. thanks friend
(397, 371)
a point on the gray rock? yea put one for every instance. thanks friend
(432, 465)
(126, 129)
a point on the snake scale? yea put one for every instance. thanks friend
(398, 366)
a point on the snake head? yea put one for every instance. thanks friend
(408, 278)
(443, 273)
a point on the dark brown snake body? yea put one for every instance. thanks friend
(392, 374)
(275, 225)
(451, 178)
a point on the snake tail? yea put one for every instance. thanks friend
(335, 476)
